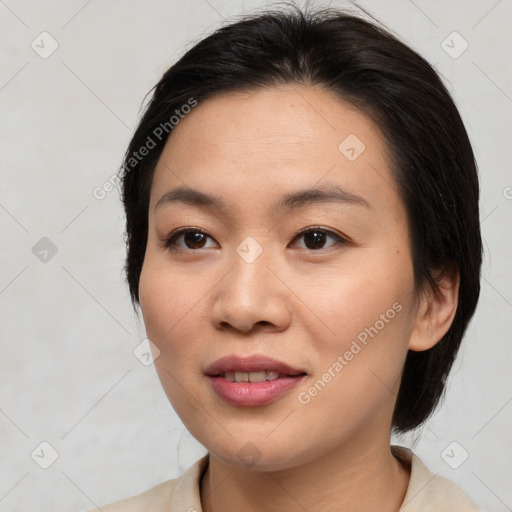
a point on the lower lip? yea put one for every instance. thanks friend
(251, 394)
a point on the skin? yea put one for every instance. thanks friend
(300, 305)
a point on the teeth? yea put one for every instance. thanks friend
(230, 376)
(241, 376)
(251, 376)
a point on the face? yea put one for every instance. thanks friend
(321, 281)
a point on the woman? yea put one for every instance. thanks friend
(303, 241)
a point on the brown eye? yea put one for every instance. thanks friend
(315, 238)
(192, 239)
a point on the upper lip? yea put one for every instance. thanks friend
(255, 363)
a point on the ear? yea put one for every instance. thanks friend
(436, 310)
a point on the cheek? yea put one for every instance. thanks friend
(351, 297)
(168, 303)
(170, 307)
(369, 346)
(359, 367)
(368, 309)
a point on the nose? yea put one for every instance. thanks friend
(252, 296)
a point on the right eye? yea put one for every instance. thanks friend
(193, 238)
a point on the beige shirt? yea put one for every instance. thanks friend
(426, 492)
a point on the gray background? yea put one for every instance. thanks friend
(67, 370)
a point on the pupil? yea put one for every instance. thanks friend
(317, 237)
(193, 239)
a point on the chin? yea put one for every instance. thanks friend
(255, 456)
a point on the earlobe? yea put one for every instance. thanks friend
(436, 311)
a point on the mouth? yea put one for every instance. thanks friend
(252, 381)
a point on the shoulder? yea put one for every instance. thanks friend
(179, 494)
(156, 499)
(429, 492)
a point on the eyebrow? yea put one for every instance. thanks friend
(327, 193)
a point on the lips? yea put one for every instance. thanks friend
(252, 381)
(230, 366)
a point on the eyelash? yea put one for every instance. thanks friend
(170, 241)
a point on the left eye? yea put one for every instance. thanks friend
(315, 238)
(192, 238)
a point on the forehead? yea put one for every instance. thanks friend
(268, 141)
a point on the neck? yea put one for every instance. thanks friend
(364, 476)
